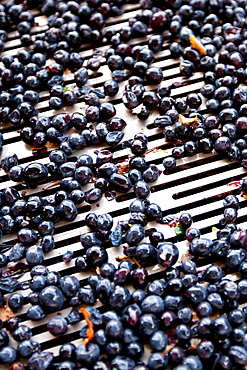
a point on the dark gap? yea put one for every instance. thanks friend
(47, 192)
(45, 109)
(95, 75)
(59, 341)
(66, 271)
(32, 156)
(75, 224)
(144, 42)
(120, 159)
(114, 22)
(44, 98)
(240, 219)
(205, 161)
(201, 262)
(208, 229)
(120, 212)
(150, 126)
(198, 203)
(70, 270)
(183, 95)
(165, 78)
(100, 84)
(128, 196)
(12, 140)
(165, 68)
(67, 241)
(116, 101)
(75, 335)
(157, 136)
(11, 128)
(20, 186)
(209, 260)
(206, 187)
(208, 214)
(99, 74)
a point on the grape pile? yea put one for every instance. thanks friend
(187, 316)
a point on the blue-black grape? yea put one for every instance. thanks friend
(57, 326)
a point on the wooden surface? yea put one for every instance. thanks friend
(198, 184)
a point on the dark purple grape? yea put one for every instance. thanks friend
(176, 355)
(68, 210)
(96, 256)
(201, 246)
(35, 173)
(23, 332)
(205, 349)
(135, 234)
(153, 304)
(185, 220)
(51, 298)
(57, 326)
(167, 254)
(42, 359)
(27, 348)
(7, 355)
(81, 76)
(238, 355)
(155, 42)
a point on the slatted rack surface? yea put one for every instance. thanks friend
(198, 184)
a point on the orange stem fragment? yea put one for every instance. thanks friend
(90, 331)
(127, 258)
(136, 262)
(197, 45)
(154, 150)
(124, 168)
(52, 185)
(187, 121)
(123, 258)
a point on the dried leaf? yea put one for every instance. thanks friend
(6, 313)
